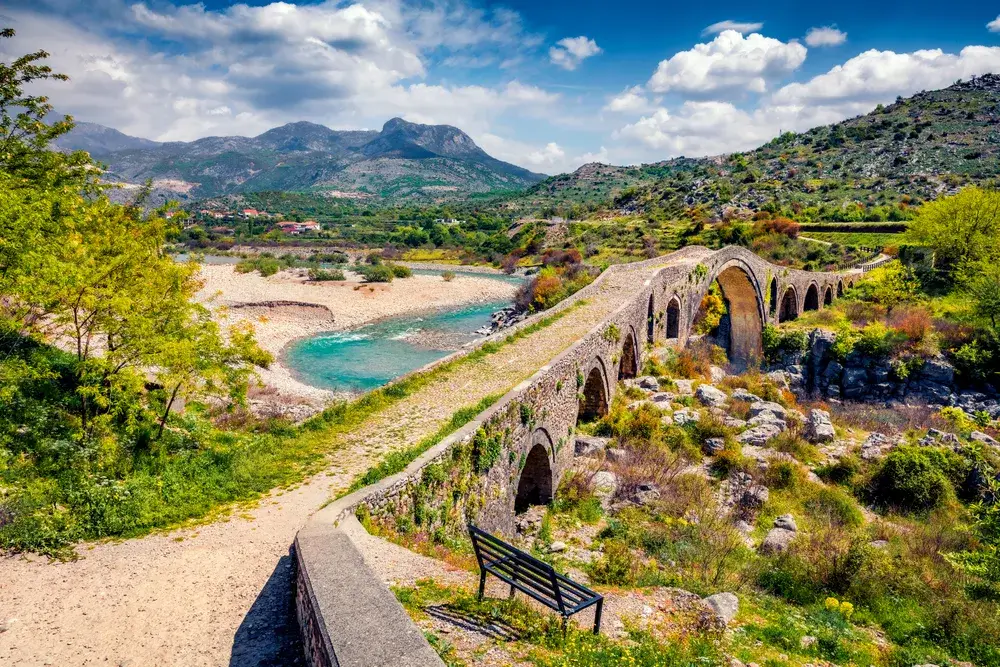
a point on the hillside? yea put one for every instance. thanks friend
(403, 161)
(872, 167)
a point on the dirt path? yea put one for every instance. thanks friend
(220, 594)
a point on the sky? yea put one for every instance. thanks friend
(545, 84)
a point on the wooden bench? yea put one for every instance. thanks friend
(536, 579)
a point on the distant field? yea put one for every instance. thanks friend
(865, 239)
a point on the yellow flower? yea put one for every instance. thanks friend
(846, 608)
(832, 604)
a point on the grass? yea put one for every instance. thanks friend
(863, 239)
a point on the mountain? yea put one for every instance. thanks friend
(868, 167)
(403, 161)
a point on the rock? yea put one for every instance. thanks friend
(786, 522)
(646, 493)
(733, 422)
(588, 445)
(767, 406)
(557, 547)
(710, 395)
(819, 428)
(717, 374)
(713, 446)
(686, 416)
(617, 455)
(758, 435)
(780, 378)
(877, 444)
(939, 371)
(879, 544)
(777, 541)
(742, 394)
(754, 497)
(807, 641)
(724, 605)
(635, 405)
(979, 436)
(605, 484)
(684, 387)
(768, 418)
(648, 382)
(662, 398)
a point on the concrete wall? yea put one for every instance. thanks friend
(541, 411)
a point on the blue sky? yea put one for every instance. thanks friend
(548, 85)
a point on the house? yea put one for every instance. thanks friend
(289, 227)
(251, 212)
(310, 226)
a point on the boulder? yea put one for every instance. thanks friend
(646, 493)
(733, 422)
(786, 522)
(710, 395)
(617, 455)
(875, 445)
(742, 394)
(662, 398)
(939, 371)
(605, 484)
(713, 446)
(780, 378)
(685, 416)
(557, 547)
(819, 428)
(758, 435)
(768, 406)
(588, 445)
(648, 382)
(777, 541)
(724, 605)
(684, 387)
(768, 419)
(979, 436)
(717, 374)
(754, 497)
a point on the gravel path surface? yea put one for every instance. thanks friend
(220, 594)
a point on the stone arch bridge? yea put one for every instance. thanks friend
(650, 303)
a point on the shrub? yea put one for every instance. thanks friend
(777, 342)
(376, 273)
(911, 479)
(448, 276)
(400, 271)
(323, 275)
(615, 567)
(838, 507)
(841, 471)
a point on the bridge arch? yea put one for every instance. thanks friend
(536, 483)
(828, 296)
(628, 365)
(594, 403)
(772, 299)
(745, 307)
(650, 322)
(812, 298)
(840, 288)
(674, 318)
(789, 309)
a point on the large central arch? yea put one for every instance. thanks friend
(594, 402)
(746, 313)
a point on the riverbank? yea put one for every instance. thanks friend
(287, 306)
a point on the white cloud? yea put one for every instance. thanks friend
(878, 76)
(630, 100)
(550, 158)
(825, 36)
(569, 52)
(994, 25)
(722, 26)
(729, 62)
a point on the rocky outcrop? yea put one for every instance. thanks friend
(819, 428)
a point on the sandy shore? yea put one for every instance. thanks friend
(326, 306)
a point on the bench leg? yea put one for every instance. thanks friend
(597, 617)
(565, 619)
(482, 584)
(512, 591)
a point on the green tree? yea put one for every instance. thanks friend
(890, 286)
(25, 135)
(981, 283)
(962, 229)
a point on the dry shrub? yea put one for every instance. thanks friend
(782, 226)
(646, 463)
(696, 360)
(870, 417)
(861, 313)
(914, 322)
(757, 383)
(739, 409)
(953, 334)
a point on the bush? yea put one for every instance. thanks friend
(777, 342)
(911, 479)
(616, 567)
(400, 271)
(324, 275)
(376, 273)
(448, 276)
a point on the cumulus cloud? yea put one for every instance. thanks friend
(729, 62)
(994, 25)
(738, 26)
(878, 76)
(550, 158)
(243, 69)
(630, 100)
(825, 36)
(569, 52)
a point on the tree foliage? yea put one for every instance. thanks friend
(962, 229)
